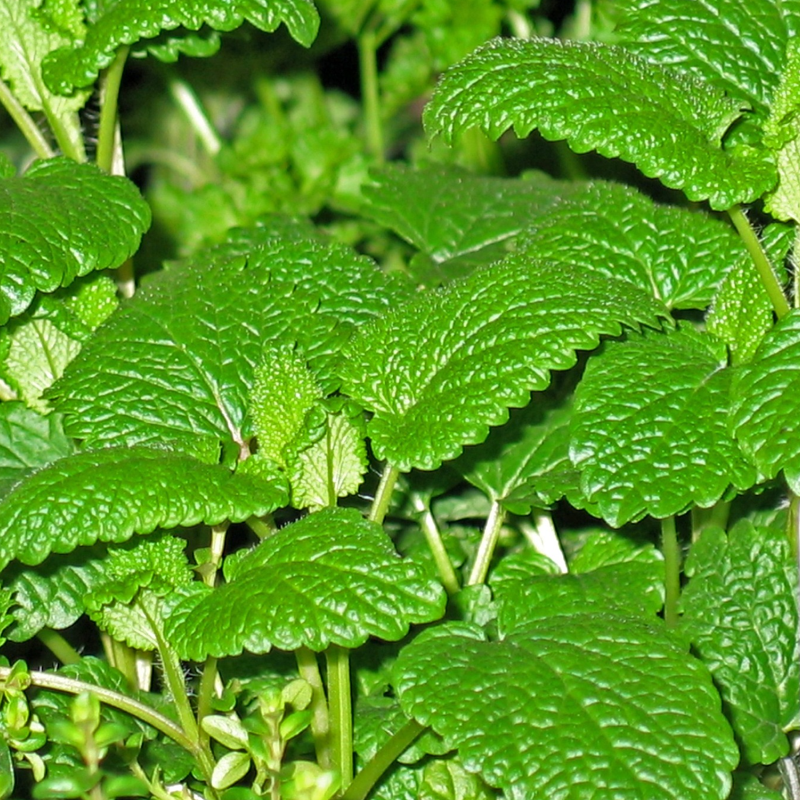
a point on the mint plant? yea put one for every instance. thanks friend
(385, 464)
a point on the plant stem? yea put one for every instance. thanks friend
(205, 695)
(433, 537)
(58, 646)
(491, 533)
(340, 704)
(382, 760)
(761, 261)
(217, 548)
(260, 528)
(320, 722)
(59, 683)
(368, 65)
(703, 518)
(24, 122)
(109, 96)
(121, 657)
(185, 97)
(672, 570)
(383, 495)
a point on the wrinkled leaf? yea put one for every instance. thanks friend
(740, 609)
(604, 98)
(331, 578)
(440, 369)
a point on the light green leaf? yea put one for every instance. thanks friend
(229, 769)
(110, 495)
(176, 363)
(649, 430)
(604, 98)
(27, 35)
(747, 786)
(28, 441)
(457, 219)
(606, 547)
(132, 623)
(125, 22)
(679, 255)
(763, 411)
(7, 601)
(331, 578)
(438, 370)
(581, 704)
(446, 779)
(740, 48)
(740, 609)
(61, 220)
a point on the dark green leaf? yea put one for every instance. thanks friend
(176, 363)
(649, 430)
(331, 578)
(61, 220)
(125, 22)
(109, 495)
(604, 98)
(740, 609)
(440, 369)
(764, 408)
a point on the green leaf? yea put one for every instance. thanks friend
(61, 220)
(438, 370)
(604, 98)
(558, 710)
(739, 48)
(7, 601)
(125, 22)
(27, 35)
(331, 578)
(457, 219)
(678, 255)
(740, 609)
(764, 410)
(446, 779)
(747, 786)
(109, 495)
(133, 624)
(176, 363)
(649, 430)
(522, 462)
(28, 441)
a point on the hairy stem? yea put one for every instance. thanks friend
(340, 704)
(383, 494)
(205, 695)
(109, 97)
(368, 65)
(382, 760)
(320, 722)
(58, 646)
(760, 260)
(433, 537)
(672, 570)
(25, 123)
(260, 527)
(491, 533)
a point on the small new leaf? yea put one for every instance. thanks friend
(604, 98)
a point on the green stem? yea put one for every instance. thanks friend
(383, 495)
(25, 123)
(703, 518)
(761, 261)
(340, 704)
(260, 528)
(58, 646)
(672, 570)
(368, 65)
(434, 539)
(491, 533)
(209, 573)
(320, 722)
(205, 696)
(382, 760)
(122, 657)
(107, 134)
(793, 526)
(184, 96)
(59, 683)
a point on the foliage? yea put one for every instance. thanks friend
(351, 446)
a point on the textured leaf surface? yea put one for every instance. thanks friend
(176, 363)
(127, 21)
(739, 48)
(332, 577)
(649, 431)
(678, 255)
(459, 220)
(604, 98)
(109, 495)
(559, 709)
(28, 441)
(61, 220)
(440, 369)
(740, 608)
(764, 410)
